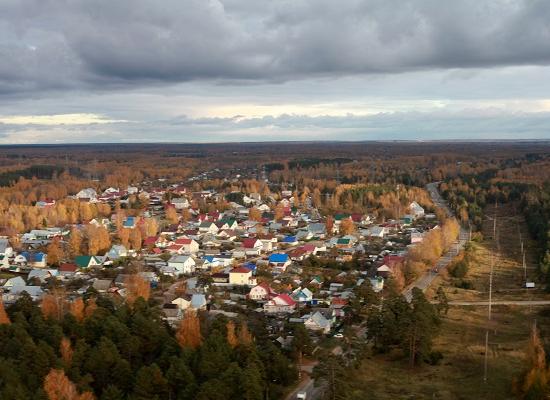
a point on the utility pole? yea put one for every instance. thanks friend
(524, 268)
(485, 367)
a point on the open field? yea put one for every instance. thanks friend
(460, 373)
(508, 272)
(462, 337)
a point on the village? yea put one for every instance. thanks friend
(263, 255)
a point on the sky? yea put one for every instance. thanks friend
(96, 71)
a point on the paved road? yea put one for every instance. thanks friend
(425, 280)
(501, 303)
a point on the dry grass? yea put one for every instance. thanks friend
(462, 336)
(460, 374)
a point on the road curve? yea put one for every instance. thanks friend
(425, 280)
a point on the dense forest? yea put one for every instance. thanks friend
(107, 351)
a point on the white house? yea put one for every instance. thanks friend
(180, 203)
(261, 292)
(182, 264)
(88, 193)
(182, 303)
(5, 248)
(416, 210)
(189, 246)
(318, 322)
(282, 303)
(117, 251)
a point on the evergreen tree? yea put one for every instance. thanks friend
(150, 384)
(423, 326)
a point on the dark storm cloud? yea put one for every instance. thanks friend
(61, 44)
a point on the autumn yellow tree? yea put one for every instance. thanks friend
(151, 227)
(75, 242)
(231, 335)
(4, 319)
(189, 331)
(53, 304)
(55, 252)
(136, 287)
(66, 351)
(124, 236)
(245, 337)
(329, 224)
(347, 227)
(255, 214)
(91, 306)
(279, 212)
(172, 215)
(533, 384)
(76, 308)
(135, 239)
(59, 387)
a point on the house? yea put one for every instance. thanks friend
(130, 222)
(87, 194)
(4, 262)
(67, 269)
(182, 264)
(117, 251)
(416, 210)
(36, 260)
(5, 248)
(41, 275)
(261, 292)
(317, 322)
(227, 223)
(252, 246)
(172, 313)
(280, 260)
(102, 285)
(15, 292)
(317, 229)
(180, 203)
(416, 237)
(282, 303)
(15, 281)
(87, 261)
(183, 303)
(220, 277)
(302, 295)
(384, 270)
(375, 232)
(189, 246)
(241, 276)
(208, 227)
(198, 301)
(290, 240)
(252, 243)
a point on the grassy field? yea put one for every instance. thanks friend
(462, 337)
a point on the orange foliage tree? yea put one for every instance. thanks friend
(136, 287)
(59, 387)
(245, 337)
(53, 304)
(347, 227)
(189, 331)
(255, 214)
(66, 351)
(75, 242)
(76, 308)
(55, 252)
(231, 336)
(4, 319)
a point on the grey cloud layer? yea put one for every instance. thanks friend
(61, 44)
